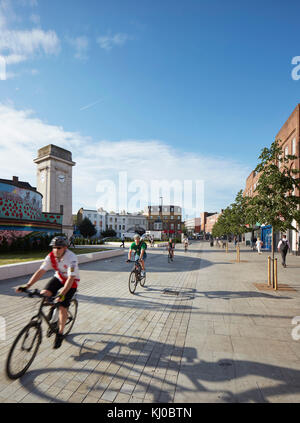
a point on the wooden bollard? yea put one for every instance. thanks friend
(238, 253)
(269, 271)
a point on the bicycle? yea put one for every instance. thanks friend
(135, 276)
(29, 338)
(170, 255)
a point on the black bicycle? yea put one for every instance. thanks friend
(26, 345)
(170, 255)
(135, 276)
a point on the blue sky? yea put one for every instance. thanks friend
(206, 80)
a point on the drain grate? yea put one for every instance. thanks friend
(170, 292)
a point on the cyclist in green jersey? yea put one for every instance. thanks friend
(139, 248)
(171, 246)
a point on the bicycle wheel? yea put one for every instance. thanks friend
(132, 282)
(23, 350)
(72, 313)
(143, 280)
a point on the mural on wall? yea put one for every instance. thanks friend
(20, 203)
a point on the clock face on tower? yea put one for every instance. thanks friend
(61, 178)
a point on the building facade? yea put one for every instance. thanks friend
(193, 226)
(167, 219)
(289, 141)
(119, 222)
(210, 221)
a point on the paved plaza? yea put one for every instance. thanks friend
(199, 331)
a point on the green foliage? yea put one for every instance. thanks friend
(86, 228)
(108, 233)
(276, 203)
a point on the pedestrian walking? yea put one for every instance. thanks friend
(71, 242)
(259, 244)
(122, 241)
(283, 247)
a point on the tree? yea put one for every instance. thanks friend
(108, 233)
(275, 201)
(86, 228)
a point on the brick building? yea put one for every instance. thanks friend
(289, 140)
(165, 218)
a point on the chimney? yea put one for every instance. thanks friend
(15, 179)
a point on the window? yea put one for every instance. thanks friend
(178, 217)
(123, 227)
(294, 146)
(172, 217)
(172, 225)
(286, 151)
(178, 226)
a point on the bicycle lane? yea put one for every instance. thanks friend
(123, 347)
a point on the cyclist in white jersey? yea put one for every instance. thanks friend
(65, 279)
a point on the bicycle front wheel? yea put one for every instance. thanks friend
(132, 282)
(23, 350)
(72, 313)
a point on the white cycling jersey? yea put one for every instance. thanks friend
(67, 266)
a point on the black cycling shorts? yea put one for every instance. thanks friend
(54, 285)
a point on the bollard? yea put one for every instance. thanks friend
(269, 271)
(238, 253)
(226, 247)
(275, 276)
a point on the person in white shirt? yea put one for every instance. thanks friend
(283, 247)
(65, 279)
(259, 244)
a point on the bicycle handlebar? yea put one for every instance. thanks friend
(37, 293)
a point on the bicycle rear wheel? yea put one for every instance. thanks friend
(132, 282)
(72, 313)
(143, 280)
(23, 350)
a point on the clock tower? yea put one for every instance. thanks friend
(54, 182)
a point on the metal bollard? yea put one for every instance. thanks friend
(226, 247)
(275, 276)
(238, 254)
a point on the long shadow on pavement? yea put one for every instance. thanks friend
(167, 357)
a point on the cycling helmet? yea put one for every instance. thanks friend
(58, 241)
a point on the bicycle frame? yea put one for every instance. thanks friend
(38, 317)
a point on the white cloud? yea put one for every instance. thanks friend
(17, 45)
(22, 134)
(80, 45)
(29, 42)
(107, 42)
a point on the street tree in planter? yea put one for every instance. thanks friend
(275, 202)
